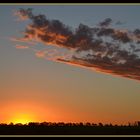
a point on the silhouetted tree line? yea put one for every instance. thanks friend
(61, 128)
(137, 123)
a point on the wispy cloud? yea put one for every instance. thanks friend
(102, 47)
(21, 47)
(23, 40)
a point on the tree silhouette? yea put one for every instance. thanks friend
(49, 128)
(100, 124)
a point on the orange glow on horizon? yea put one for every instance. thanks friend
(31, 111)
(23, 112)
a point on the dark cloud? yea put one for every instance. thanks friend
(103, 48)
(106, 22)
(137, 31)
(121, 36)
(106, 32)
(24, 14)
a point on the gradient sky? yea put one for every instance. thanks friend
(44, 90)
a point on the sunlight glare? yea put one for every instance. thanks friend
(22, 118)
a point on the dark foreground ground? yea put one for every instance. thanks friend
(67, 129)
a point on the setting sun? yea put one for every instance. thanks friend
(24, 112)
(22, 118)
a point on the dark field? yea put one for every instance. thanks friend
(68, 129)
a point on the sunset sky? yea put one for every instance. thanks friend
(34, 86)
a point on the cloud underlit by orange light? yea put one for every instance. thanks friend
(102, 48)
(21, 47)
